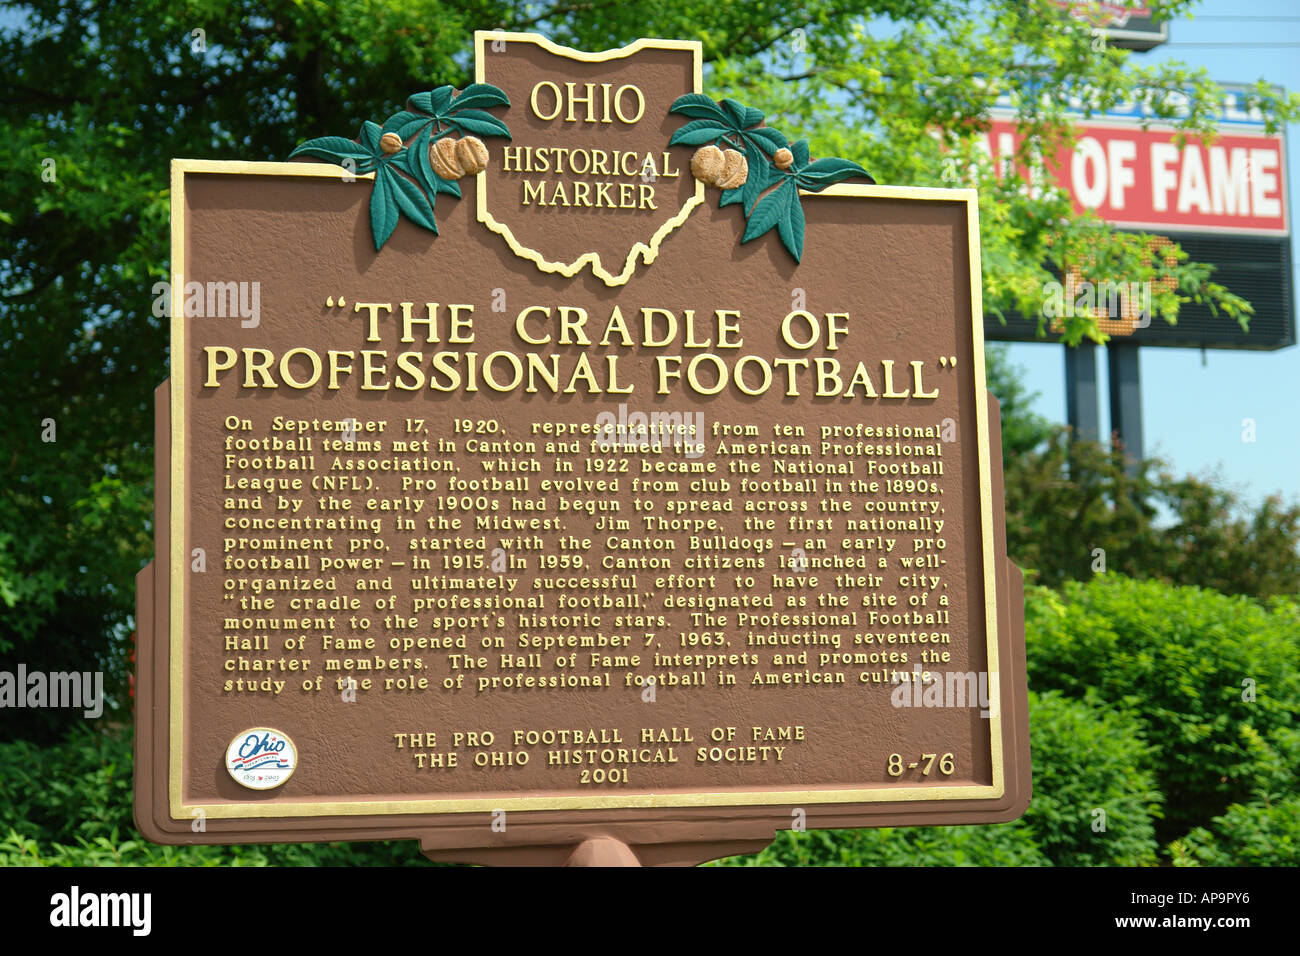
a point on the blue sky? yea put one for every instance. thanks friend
(1192, 413)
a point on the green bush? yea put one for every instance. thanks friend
(1085, 758)
(1007, 845)
(1264, 833)
(69, 804)
(1095, 801)
(1138, 695)
(1186, 664)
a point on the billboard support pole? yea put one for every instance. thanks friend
(1125, 398)
(1081, 391)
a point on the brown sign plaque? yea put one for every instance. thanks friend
(651, 506)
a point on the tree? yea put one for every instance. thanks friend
(98, 97)
(1076, 509)
(1023, 430)
(906, 93)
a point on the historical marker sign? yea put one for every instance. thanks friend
(655, 497)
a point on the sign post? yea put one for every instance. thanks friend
(571, 468)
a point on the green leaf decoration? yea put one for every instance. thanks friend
(761, 175)
(383, 212)
(404, 118)
(698, 132)
(790, 227)
(478, 96)
(699, 106)
(433, 102)
(826, 172)
(732, 125)
(742, 116)
(414, 204)
(478, 123)
(463, 112)
(416, 162)
(370, 133)
(766, 138)
(770, 210)
(337, 149)
(405, 181)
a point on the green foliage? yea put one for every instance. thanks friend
(1071, 504)
(84, 206)
(1138, 702)
(1008, 845)
(69, 804)
(1213, 542)
(1024, 431)
(1184, 663)
(84, 233)
(1263, 833)
(1069, 498)
(1088, 757)
(905, 90)
(1085, 757)
(83, 229)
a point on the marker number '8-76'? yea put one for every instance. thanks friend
(925, 764)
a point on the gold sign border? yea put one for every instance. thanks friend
(650, 251)
(179, 561)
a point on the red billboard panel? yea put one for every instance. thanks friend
(1140, 179)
